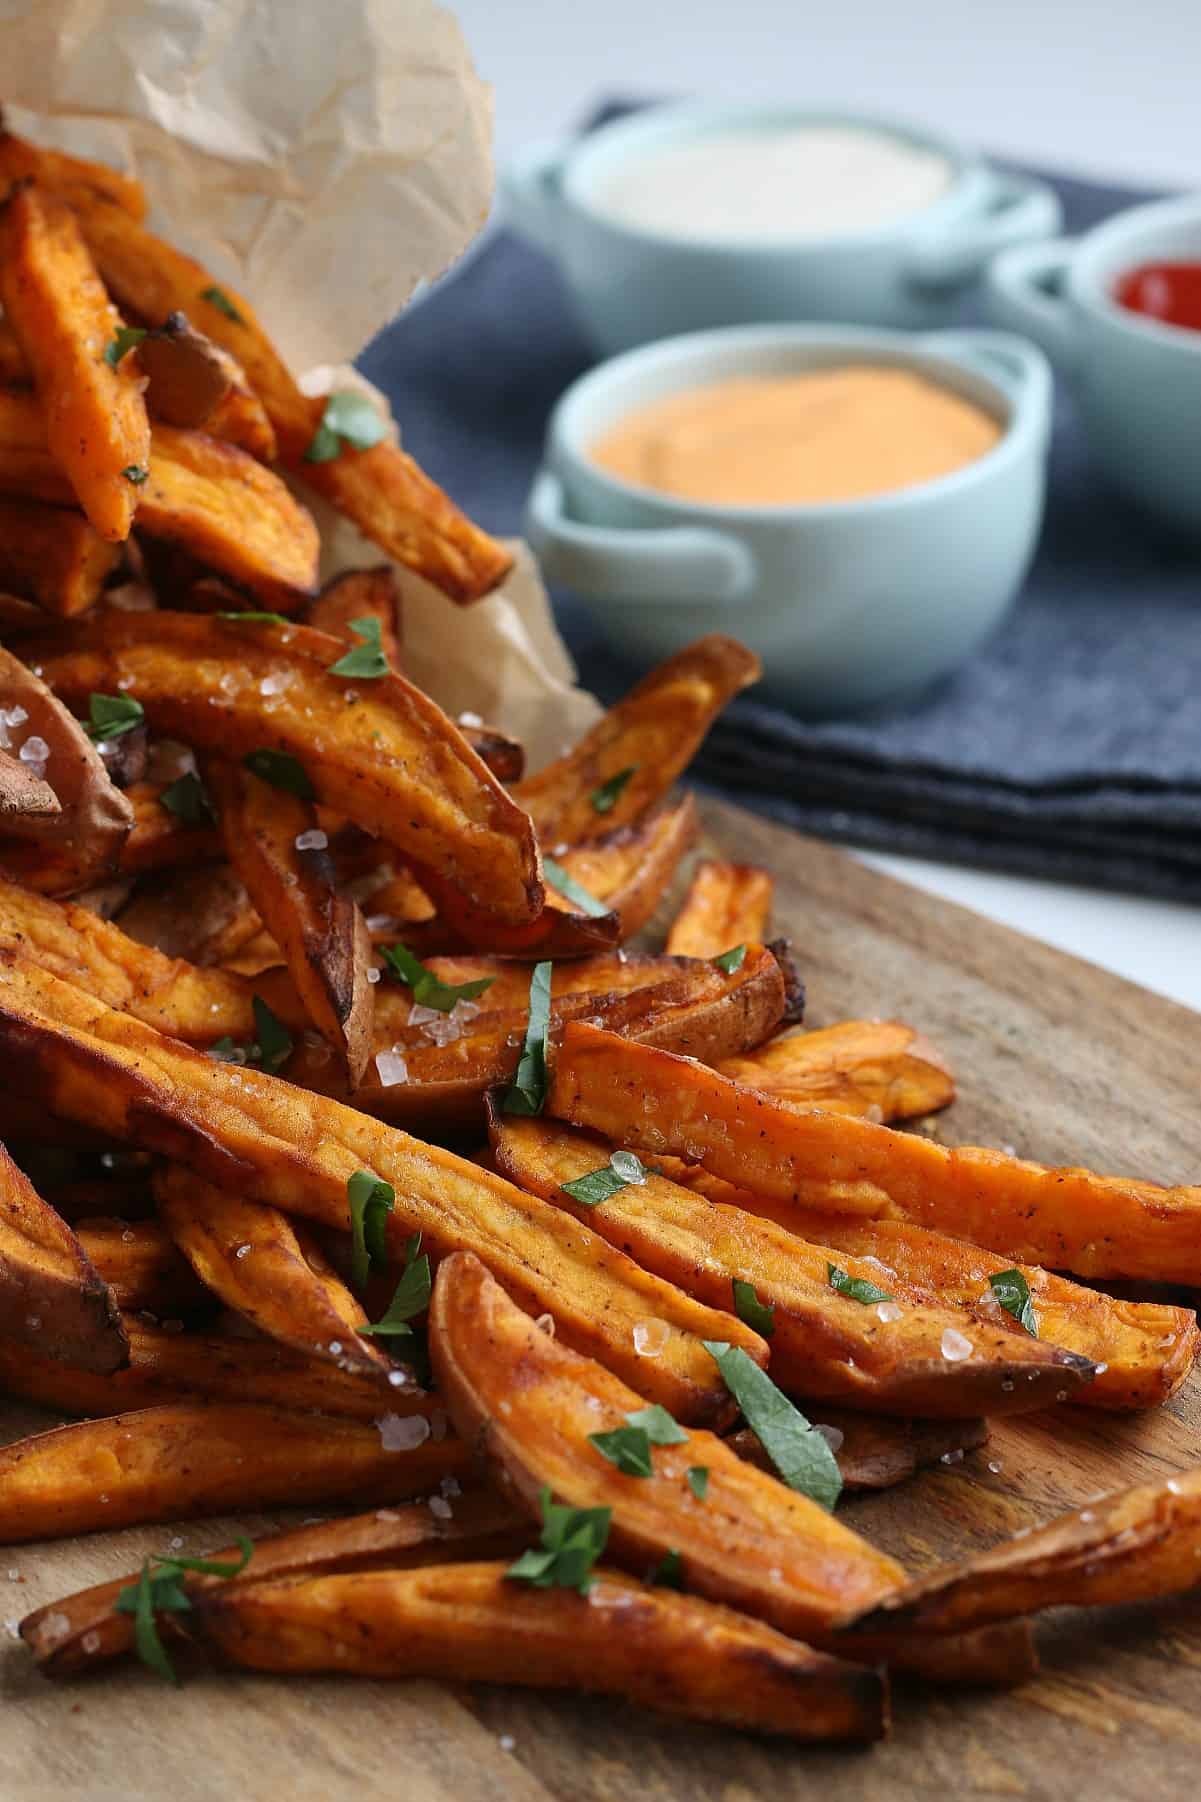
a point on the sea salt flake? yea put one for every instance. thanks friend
(833, 1436)
(90, 1642)
(243, 1251)
(398, 1378)
(955, 1457)
(392, 1068)
(470, 719)
(276, 683)
(994, 1465)
(402, 1432)
(373, 976)
(312, 840)
(628, 1165)
(955, 1348)
(13, 1628)
(506, 1742)
(651, 1337)
(54, 1627)
(888, 1311)
(335, 1346)
(440, 1508)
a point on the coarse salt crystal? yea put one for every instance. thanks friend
(398, 1378)
(373, 976)
(402, 1432)
(54, 1627)
(243, 1251)
(335, 1346)
(506, 1742)
(276, 682)
(312, 840)
(628, 1165)
(440, 1508)
(176, 1542)
(386, 1514)
(833, 1436)
(382, 922)
(888, 1311)
(14, 1575)
(13, 1628)
(955, 1457)
(994, 1465)
(546, 1324)
(955, 1348)
(470, 719)
(651, 1337)
(392, 1068)
(91, 1642)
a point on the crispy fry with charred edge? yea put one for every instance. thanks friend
(392, 762)
(824, 1344)
(95, 416)
(653, 733)
(726, 904)
(297, 1151)
(22, 794)
(876, 1451)
(186, 1458)
(22, 161)
(881, 1069)
(1134, 1546)
(468, 1622)
(166, 1366)
(51, 555)
(321, 933)
(382, 490)
(482, 1526)
(254, 1259)
(201, 492)
(139, 1261)
(528, 1405)
(50, 1294)
(83, 839)
(200, 385)
(1096, 1226)
(206, 922)
(361, 594)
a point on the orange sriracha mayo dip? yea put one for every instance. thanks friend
(823, 435)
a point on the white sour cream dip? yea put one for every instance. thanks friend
(774, 185)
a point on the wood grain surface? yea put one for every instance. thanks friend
(1055, 1058)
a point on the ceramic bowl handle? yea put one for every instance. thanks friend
(1023, 291)
(671, 563)
(1005, 210)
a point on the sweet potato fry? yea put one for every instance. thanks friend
(874, 1451)
(22, 161)
(14, 370)
(161, 839)
(273, 843)
(206, 921)
(188, 1459)
(528, 1405)
(482, 1526)
(51, 555)
(468, 1622)
(1134, 1546)
(24, 796)
(824, 1344)
(361, 594)
(1142, 1350)
(195, 383)
(652, 734)
(95, 416)
(630, 869)
(80, 843)
(51, 1296)
(296, 1150)
(141, 1265)
(387, 758)
(726, 904)
(254, 1259)
(880, 1069)
(1096, 1226)
(167, 1366)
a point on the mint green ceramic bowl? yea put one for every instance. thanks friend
(848, 604)
(632, 285)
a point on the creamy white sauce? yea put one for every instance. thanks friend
(774, 186)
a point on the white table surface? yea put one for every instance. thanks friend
(1109, 91)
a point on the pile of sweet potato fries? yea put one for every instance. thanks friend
(266, 913)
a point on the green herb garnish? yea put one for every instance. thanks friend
(758, 1314)
(188, 800)
(669, 1574)
(605, 798)
(255, 617)
(857, 1288)
(698, 1481)
(161, 1591)
(572, 1541)
(370, 1199)
(366, 660)
(127, 336)
(110, 716)
(281, 770)
(623, 1168)
(731, 960)
(1013, 1292)
(349, 419)
(410, 1297)
(799, 1452)
(274, 1041)
(526, 1094)
(223, 303)
(629, 1446)
(573, 891)
(428, 991)
(137, 473)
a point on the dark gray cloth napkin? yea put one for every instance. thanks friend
(1070, 746)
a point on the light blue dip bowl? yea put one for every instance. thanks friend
(1137, 380)
(633, 285)
(849, 603)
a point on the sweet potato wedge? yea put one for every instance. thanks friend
(874, 1451)
(361, 594)
(468, 1622)
(51, 1296)
(254, 1260)
(378, 751)
(273, 843)
(161, 839)
(195, 383)
(95, 417)
(824, 1344)
(52, 555)
(726, 904)
(24, 796)
(1142, 1350)
(166, 1366)
(22, 161)
(14, 369)
(481, 1526)
(81, 842)
(297, 1151)
(653, 733)
(880, 1069)
(139, 1261)
(1134, 1546)
(631, 869)
(1096, 1226)
(186, 1459)
(206, 920)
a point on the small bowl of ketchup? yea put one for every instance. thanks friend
(1119, 311)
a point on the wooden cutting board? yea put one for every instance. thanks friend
(1054, 1057)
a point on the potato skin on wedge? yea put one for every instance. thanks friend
(824, 1344)
(188, 1458)
(52, 1297)
(470, 1623)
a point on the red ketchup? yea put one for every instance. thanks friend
(1169, 292)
